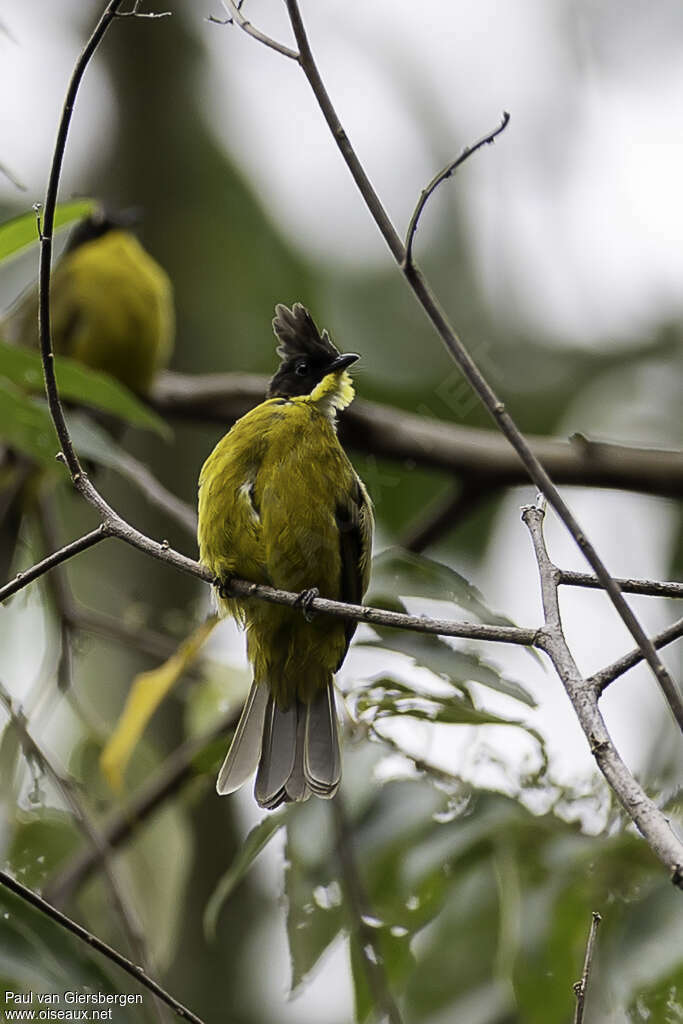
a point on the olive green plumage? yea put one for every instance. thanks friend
(280, 504)
(111, 305)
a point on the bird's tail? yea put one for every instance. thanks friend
(296, 750)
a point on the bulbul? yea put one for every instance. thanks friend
(111, 304)
(280, 504)
(111, 307)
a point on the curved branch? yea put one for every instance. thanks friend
(91, 940)
(447, 171)
(236, 16)
(649, 820)
(471, 371)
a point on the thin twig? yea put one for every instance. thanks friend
(581, 985)
(442, 176)
(236, 16)
(82, 819)
(22, 579)
(176, 770)
(91, 940)
(462, 358)
(601, 680)
(397, 434)
(648, 588)
(650, 821)
(45, 265)
(359, 907)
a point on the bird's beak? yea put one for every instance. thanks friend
(342, 362)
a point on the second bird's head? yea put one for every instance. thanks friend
(308, 356)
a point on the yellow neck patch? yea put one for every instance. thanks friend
(334, 392)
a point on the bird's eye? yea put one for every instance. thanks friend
(301, 369)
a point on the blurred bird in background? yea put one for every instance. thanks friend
(280, 504)
(111, 307)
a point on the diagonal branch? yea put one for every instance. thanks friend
(447, 171)
(235, 16)
(462, 358)
(649, 820)
(177, 769)
(22, 579)
(360, 910)
(65, 786)
(601, 680)
(91, 940)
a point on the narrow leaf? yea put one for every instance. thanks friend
(21, 231)
(146, 693)
(257, 840)
(78, 383)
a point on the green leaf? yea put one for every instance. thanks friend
(387, 697)
(21, 231)
(396, 571)
(41, 841)
(78, 383)
(257, 840)
(25, 425)
(454, 665)
(392, 946)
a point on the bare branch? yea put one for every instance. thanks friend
(45, 266)
(649, 588)
(649, 820)
(442, 176)
(91, 940)
(462, 358)
(236, 17)
(359, 907)
(176, 770)
(68, 791)
(436, 444)
(22, 579)
(581, 986)
(601, 680)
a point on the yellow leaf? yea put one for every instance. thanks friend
(146, 694)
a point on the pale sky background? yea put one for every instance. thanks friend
(577, 225)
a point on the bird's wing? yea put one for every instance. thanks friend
(355, 524)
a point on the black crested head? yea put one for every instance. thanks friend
(307, 355)
(99, 222)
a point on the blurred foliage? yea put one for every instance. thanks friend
(481, 901)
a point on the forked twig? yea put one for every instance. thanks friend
(640, 808)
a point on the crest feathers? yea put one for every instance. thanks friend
(298, 335)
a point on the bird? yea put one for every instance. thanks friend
(111, 304)
(281, 504)
(111, 309)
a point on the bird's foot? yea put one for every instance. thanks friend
(222, 585)
(305, 600)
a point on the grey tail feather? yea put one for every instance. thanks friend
(300, 751)
(245, 748)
